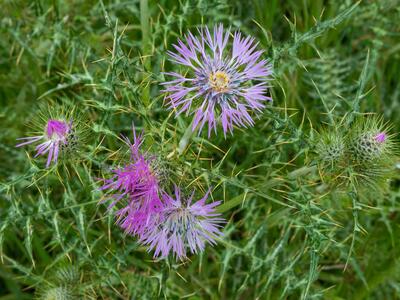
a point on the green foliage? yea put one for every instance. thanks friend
(310, 196)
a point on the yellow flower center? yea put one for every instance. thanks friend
(219, 81)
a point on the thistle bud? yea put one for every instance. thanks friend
(369, 142)
(58, 132)
(62, 284)
(57, 293)
(330, 147)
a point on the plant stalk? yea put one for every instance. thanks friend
(272, 183)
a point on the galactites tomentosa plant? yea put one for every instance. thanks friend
(58, 132)
(361, 157)
(166, 224)
(225, 79)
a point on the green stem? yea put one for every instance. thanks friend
(185, 139)
(232, 203)
(303, 171)
(362, 81)
(353, 196)
(145, 27)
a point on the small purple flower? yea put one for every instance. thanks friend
(380, 137)
(137, 184)
(183, 225)
(56, 136)
(226, 80)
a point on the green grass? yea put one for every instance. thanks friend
(288, 235)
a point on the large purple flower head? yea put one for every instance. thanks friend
(57, 136)
(182, 225)
(137, 186)
(226, 79)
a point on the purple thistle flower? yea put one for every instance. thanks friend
(183, 225)
(380, 137)
(56, 136)
(137, 183)
(229, 81)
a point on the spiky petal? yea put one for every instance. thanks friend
(227, 79)
(137, 187)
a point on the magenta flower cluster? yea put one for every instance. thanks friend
(166, 224)
(137, 183)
